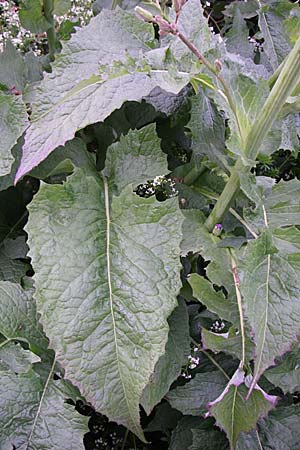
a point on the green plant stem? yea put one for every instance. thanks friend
(226, 198)
(215, 363)
(48, 6)
(194, 174)
(115, 3)
(125, 439)
(5, 342)
(286, 82)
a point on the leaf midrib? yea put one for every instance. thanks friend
(107, 215)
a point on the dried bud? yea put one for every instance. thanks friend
(144, 14)
(218, 65)
(217, 231)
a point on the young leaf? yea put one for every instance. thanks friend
(233, 413)
(107, 273)
(168, 367)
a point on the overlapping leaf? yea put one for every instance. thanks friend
(280, 430)
(89, 81)
(169, 365)
(35, 416)
(13, 122)
(270, 288)
(107, 264)
(286, 372)
(33, 412)
(193, 398)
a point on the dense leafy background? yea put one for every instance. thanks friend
(120, 326)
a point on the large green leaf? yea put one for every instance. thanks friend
(270, 289)
(208, 130)
(286, 373)
(13, 122)
(215, 301)
(90, 79)
(196, 238)
(277, 20)
(193, 398)
(32, 16)
(33, 412)
(277, 205)
(249, 441)
(189, 430)
(12, 68)
(107, 274)
(208, 439)
(280, 430)
(19, 317)
(168, 367)
(35, 416)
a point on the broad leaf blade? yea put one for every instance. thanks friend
(193, 398)
(270, 288)
(208, 130)
(13, 122)
(107, 261)
(233, 413)
(34, 415)
(168, 367)
(286, 373)
(280, 430)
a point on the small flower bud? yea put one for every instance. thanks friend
(144, 14)
(164, 26)
(217, 231)
(218, 65)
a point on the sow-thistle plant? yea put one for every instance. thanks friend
(157, 295)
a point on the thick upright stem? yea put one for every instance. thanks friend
(286, 82)
(48, 6)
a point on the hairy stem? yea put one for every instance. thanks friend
(286, 82)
